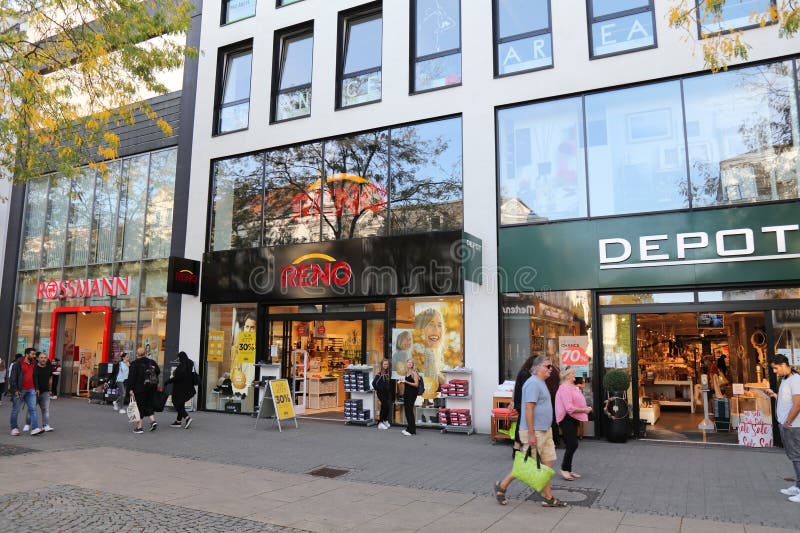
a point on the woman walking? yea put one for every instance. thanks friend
(182, 390)
(143, 383)
(121, 380)
(410, 392)
(382, 383)
(571, 410)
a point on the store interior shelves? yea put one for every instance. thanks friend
(359, 408)
(456, 416)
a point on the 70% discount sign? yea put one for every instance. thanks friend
(574, 355)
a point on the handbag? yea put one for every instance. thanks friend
(159, 400)
(195, 378)
(133, 411)
(534, 474)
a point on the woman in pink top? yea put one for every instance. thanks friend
(571, 410)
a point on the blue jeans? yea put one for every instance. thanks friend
(43, 401)
(29, 397)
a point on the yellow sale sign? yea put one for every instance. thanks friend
(282, 398)
(246, 346)
(216, 345)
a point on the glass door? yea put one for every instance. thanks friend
(616, 345)
(65, 351)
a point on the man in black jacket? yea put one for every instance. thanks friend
(23, 387)
(143, 381)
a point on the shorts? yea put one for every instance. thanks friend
(544, 444)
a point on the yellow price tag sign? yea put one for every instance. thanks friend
(282, 398)
(216, 345)
(246, 346)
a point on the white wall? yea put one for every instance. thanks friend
(475, 100)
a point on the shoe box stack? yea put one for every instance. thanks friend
(456, 387)
(356, 380)
(455, 417)
(354, 410)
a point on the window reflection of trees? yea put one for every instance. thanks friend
(411, 174)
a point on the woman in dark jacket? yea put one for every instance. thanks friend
(522, 377)
(142, 371)
(182, 381)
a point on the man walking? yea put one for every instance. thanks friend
(787, 412)
(535, 428)
(43, 371)
(23, 388)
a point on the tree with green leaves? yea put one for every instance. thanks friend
(72, 71)
(719, 48)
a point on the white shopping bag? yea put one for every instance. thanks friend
(133, 411)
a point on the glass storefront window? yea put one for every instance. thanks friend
(56, 222)
(647, 298)
(431, 332)
(25, 311)
(95, 272)
(292, 198)
(616, 343)
(35, 211)
(426, 177)
(543, 170)
(76, 273)
(153, 310)
(230, 358)
(236, 216)
(788, 293)
(636, 150)
(742, 130)
(106, 204)
(160, 198)
(81, 198)
(354, 203)
(134, 196)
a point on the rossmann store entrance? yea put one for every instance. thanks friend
(690, 306)
(325, 315)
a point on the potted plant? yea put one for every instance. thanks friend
(616, 383)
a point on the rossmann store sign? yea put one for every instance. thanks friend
(734, 245)
(422, 264)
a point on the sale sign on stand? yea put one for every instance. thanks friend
(574, 351)
(755, 430)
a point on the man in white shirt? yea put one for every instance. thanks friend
(787, 412)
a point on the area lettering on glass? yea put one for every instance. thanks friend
(622, 34)
(526, 54)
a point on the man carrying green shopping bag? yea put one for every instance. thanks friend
(535, 430)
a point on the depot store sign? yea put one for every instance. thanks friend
(731, 245)
(83, 288)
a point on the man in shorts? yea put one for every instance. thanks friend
(535, 428)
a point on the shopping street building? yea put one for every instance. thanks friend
(464, 184)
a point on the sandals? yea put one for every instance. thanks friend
(500, 494)
(575, 476)
(568, 476)
(552, 502)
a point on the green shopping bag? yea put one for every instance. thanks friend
(532, 473)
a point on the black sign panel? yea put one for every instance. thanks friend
(183, 276)
(423, 264)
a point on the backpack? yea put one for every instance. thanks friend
(421, 388)
(151, 375)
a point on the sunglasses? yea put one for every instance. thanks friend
(548, 366)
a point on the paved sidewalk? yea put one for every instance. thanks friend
(677, 483)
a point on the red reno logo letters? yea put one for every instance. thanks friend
(331, 272)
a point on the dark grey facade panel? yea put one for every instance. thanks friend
(10, 261)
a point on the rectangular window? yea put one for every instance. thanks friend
(236, 215)
(233, 10)
(621, 26)
(281, 3)
(523, 39)
(233, 95)
(359, 60)
(436, 44)
(55, 228)
(104, 222)
(160, 193)
(79, 218)
(732, 15)
(542, 170)
(33, 232)
(293, 65)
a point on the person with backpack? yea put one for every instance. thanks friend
(183, 381)
(143, 383)
(412, 387)
(382, 385)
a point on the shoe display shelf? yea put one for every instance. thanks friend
(359, 407)
(323, 392)
(299, 382)
(456, 416)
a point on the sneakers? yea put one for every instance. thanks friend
(15, 432)
(795, 499)
(188, 423)
(25, 428)
(48, 428)
(123, 412)
(54, 397)
(138, 431)
(383, 425)
(406, 433)
(794, 490)
(36, 431)
(154, 426)
(115, 405)
(175, 424)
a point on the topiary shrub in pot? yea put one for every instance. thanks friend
(616, 383)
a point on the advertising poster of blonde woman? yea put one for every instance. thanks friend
(438, 330)
(402, 344)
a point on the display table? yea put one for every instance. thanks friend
(668, 389)
(501, 422)
(651, 414)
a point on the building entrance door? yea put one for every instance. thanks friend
(83, 341)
